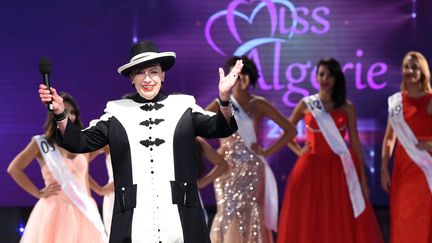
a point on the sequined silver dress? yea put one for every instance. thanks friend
(240, 196)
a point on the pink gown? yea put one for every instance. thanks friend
(56, 219)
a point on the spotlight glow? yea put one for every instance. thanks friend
(21, 229)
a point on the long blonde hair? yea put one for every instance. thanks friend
(424, 69)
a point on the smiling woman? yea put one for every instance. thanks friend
(151, 137)
(327, 187)
(148, 81)
(409, 123)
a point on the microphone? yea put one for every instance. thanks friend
(45, 70)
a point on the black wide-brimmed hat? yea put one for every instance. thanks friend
(145, 52)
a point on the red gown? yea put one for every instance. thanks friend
(410, 197)
(317, 207)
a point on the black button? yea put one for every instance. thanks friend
(150, 127)
(151, 149)
(151, 160)
(152, 172)
(149, 137)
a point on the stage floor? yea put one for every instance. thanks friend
(12, 218)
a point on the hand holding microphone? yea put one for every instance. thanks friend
(45, 70)
(47, 94)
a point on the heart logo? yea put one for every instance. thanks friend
(232, 12)
(233, 16)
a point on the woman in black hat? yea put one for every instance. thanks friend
(152, 144)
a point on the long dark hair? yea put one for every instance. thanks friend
(338, 94)
(50, 126)
(249, 68)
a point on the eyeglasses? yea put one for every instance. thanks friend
(152, 73)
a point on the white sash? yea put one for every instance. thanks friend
(338, 146)
(70, 187)
(246, 130)
(407, 138)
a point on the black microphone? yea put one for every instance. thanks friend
(45, 70)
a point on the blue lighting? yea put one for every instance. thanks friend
(274, 130)
(413, 15)
(372, 169)
(21, 229)
(301, 131)
(372, 153)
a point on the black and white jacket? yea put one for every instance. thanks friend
(152, 147)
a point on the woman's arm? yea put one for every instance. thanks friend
(426, 145)
(386, 151)
(71, 137)
(220, 165)
(16, 171)
(295, 117)
(289, 131)
(93, 184)
(100, 190)
(213, 106)
(297, 149)
(225, 85)
(94, 154)
(355, 143)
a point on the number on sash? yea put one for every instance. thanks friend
(314, 104)
(396, 110)
(46, 147)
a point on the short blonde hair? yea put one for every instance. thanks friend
(424, 69)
